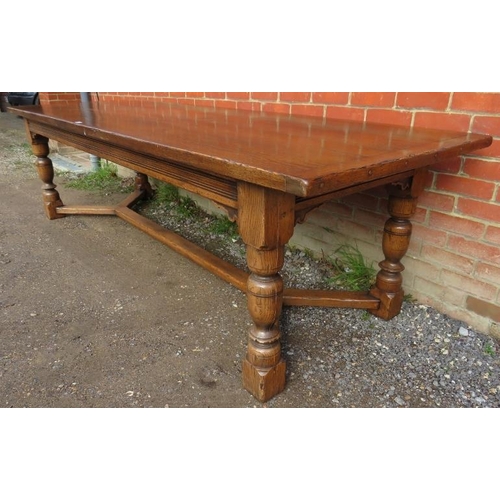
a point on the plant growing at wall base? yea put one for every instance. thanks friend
(489, 349)
(351, 270)
(224, 226)
(165, 193)
(169, 195)
(103, 179)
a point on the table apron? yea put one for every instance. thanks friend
(218, 189)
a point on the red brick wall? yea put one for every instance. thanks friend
(46, 97)
(454, 260)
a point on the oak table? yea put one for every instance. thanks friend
(267, 171)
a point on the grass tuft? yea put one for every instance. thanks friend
(103, 179)
(165, 194)
(223, 226)
(351, 271)
(186, 207)
(489, 349)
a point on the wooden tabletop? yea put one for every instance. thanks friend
(305, 156)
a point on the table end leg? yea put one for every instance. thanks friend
(396, 240)
(142, 184)
(266, 221)
(51, 198)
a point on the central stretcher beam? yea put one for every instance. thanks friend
(217, 266)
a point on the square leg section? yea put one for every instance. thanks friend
(262, 384)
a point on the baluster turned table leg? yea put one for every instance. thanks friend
(396, 240)
(141, 183)
(266, 221)
(51, 199)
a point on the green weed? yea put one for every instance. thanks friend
(223, 226)
(309, 253)
(489, 349)
(166, 194)
(409, 298)
(366, 316)
(186, 207)
(103, 179)
(352, 272)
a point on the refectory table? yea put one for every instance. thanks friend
(267, 171)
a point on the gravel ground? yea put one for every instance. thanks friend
(421, 358)
(335, 357)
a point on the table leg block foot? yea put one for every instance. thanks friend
(264, 385)
(390, 304)
(51, 210)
